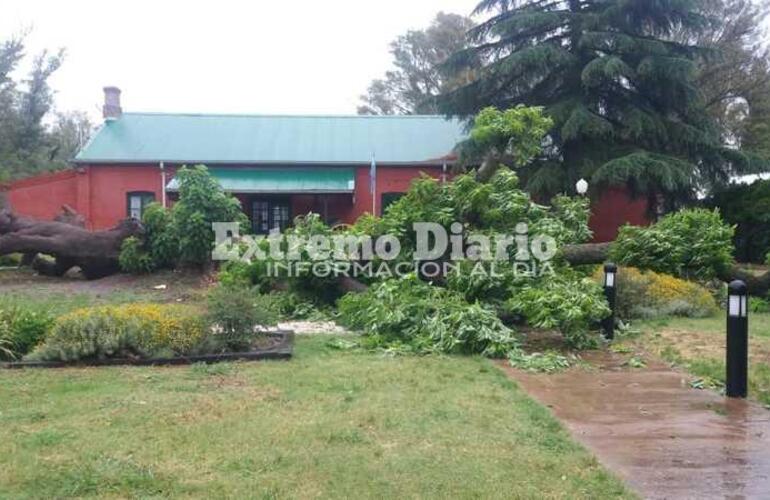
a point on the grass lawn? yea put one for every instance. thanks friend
(327, 424)
(699, 346)
(61, 295)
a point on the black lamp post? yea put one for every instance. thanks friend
(610, 291)
(737, 372)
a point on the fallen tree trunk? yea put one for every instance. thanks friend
(95, 252)
(597, 253)
(588, 253)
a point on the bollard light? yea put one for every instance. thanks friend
(737, 365)
(737, 300)
(610, 279)
(610, 270)
(582, 187)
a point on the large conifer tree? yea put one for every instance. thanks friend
(619, 87)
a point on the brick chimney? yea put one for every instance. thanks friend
(111, 109)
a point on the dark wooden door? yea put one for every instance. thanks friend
(268, 213)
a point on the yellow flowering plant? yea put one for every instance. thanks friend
(131, 331)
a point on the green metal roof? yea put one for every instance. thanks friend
(288, 180)
(251, 139)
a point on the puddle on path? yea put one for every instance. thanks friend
(663, 438)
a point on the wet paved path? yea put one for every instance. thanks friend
(663, 438)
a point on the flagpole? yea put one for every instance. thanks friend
(373, 184)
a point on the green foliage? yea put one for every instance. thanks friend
(407, 314)
(247, 274)
(539, 362)
(295, 307)
(494, 206)
(692, 244)
(22, 328)
(161, 241)
(201, 202)
(133, 258)
(571, 305)
(12, 260)
(127, 331)
(747, 207)
(515, 133)
(6, 349)
(619, 80)
(304, 282)
(237, 315)
(759, 305)
(183, 235)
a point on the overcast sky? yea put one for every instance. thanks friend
(298, 56)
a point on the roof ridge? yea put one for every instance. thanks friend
(270, 115)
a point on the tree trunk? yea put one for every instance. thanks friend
(588, 253)
(95, 252)
(597, 253)
(488, 167)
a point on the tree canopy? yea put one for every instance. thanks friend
(619, 78)
(29, 142)
(417, 78)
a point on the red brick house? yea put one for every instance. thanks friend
(277, 166)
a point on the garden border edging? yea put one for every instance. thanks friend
(283, 351)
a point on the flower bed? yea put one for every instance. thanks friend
(233, 326)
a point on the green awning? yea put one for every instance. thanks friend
(284, 180)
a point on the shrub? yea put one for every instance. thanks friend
(412, 315)
(759, 305)
(201, 202)
(692, 244)
(292, 306)
(22, 329)
(248, 274)
(133, 257)
(127, 331)
(237, 313)
(572, 306)
(645, 294)
(162, 242)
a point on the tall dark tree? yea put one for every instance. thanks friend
(417, 77)
(621, 90)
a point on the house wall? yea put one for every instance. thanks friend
(43, 196)
(109, 186)
(615, 207)
(389, 180)
(99, 192)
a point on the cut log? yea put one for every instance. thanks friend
(95, 252)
